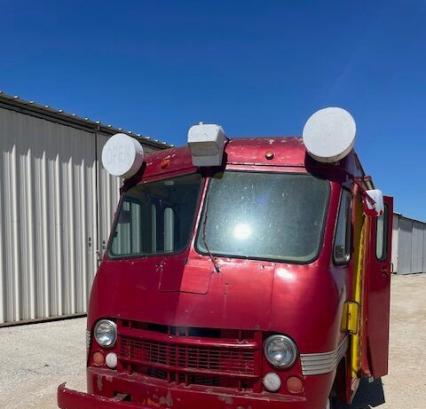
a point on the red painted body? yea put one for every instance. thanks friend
(157, 300)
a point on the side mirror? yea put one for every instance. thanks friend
(373, 203)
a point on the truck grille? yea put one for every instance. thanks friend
(191, 355)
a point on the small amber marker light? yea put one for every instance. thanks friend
(294, 384)
(164, 163)
(98, 358)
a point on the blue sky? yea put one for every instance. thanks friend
(255, 67)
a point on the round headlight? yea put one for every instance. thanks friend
(280, 351)
(105, 333)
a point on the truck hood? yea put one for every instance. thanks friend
(172, 291)
(245, 294)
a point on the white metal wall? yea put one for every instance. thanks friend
(56, 207)
(409, 245)
(47, 217)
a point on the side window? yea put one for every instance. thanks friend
(158, 224)
(342, 237)
(169, 229)
(127, 239)
(382, 235)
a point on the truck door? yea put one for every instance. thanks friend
(378, 290)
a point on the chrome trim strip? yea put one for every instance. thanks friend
(324, 362)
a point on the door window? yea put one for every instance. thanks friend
(342, 238)
(382, 235)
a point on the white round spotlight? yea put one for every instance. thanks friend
(122, 155)
(329, 134)
(272, 382)
(111, 360)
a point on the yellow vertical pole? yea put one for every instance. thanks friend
(358, 296)
(352, 320)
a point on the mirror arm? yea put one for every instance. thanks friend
(364, 192)
(358, 181)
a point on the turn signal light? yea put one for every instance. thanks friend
(294, 384)
(98, 358)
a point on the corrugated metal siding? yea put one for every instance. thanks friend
(417, 247)
(47, 195)
(51, 226)
(395, 240)
(424, 250)
(409, 253)
(404, 248)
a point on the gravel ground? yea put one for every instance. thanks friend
(35, 358)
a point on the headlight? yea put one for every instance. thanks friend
(280, 351)
(105, 333)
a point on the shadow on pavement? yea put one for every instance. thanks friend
(369, 395)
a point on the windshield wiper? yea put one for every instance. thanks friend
(216, 266)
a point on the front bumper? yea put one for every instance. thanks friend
(70, 399)
(147, 393)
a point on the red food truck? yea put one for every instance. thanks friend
(240, 273)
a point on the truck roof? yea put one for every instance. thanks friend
(266, 151)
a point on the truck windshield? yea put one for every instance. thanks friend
(156, 218)
(264, 216)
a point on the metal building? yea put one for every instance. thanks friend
(408, 245)
(56, 206)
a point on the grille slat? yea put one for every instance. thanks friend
(185, 358)
(174, 355)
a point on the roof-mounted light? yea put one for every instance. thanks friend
(329, 134)
(122, 155)
(206, 142)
